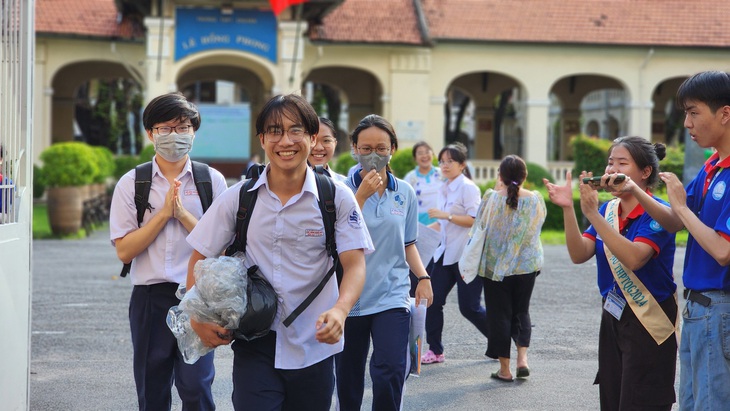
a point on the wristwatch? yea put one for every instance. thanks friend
(450, 217)
(424, 277)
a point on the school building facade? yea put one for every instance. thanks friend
(425, 65)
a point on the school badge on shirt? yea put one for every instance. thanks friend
(353, 218)
(398, 203)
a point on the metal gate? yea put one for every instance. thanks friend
(17, 40)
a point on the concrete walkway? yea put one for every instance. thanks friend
(81, 356)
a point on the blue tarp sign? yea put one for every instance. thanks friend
(199, 30)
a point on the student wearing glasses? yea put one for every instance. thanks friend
(382, 314)
(324, 148)
(159, 255)
(458, 202)
(290, 368)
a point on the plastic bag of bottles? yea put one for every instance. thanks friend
(218, 296)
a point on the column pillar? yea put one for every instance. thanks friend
(640, 118)
(159, 56)
(536, 131)
(290, 55)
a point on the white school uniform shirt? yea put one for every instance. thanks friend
(458, 197)
(166, 259)
(287, 242)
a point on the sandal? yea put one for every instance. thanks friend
(430, 358)
(497, 376)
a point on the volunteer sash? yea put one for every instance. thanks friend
(642, 303)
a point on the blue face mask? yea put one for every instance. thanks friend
(372, 161)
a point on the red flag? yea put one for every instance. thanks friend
(277, 6)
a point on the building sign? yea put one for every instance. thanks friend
(224, 133)
(252, 31)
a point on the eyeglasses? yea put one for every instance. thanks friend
(295, 133)
(368, 150)
(447, 162)
(328, 141)
(166, 130)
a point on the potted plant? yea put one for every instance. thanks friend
(105, 163)
(67, 168)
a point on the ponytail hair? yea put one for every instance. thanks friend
(512, 172)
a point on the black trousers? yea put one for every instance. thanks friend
(508, 313)
(158, 362)
(257, 385)
(634, 373)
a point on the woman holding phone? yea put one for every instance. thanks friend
(637, 347)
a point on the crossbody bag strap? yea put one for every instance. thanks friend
(642, 303)
(326, 190)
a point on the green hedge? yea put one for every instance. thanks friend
(343, 162)
(591, 154)
(674, 161)
(69, 164)
(402, 162)
(105, 163)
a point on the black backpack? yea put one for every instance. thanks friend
(326, 190)
(143, 184)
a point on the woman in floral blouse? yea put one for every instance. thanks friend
(512, 218)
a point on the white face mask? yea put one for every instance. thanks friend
(173, 147)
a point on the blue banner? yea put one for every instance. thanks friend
(199, 30)
(224, 133)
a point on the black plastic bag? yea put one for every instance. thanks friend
(260, 309)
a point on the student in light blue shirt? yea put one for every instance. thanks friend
(382, 314)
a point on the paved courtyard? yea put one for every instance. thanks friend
(81, 356)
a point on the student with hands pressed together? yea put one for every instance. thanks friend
(637, 346)
(382, 314)
(159, 255)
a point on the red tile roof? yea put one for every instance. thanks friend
(93, 18)
(370, 21)
(701, 23)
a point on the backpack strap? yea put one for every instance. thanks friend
(255, 170)
(326, 190)
(142, 186)
(246, 202)
(201, 177)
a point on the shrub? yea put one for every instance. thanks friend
(535, 174)
(402, 162)
(343, 162)
(69, 164)
(39, 182)
(147, 153)
(674, 161)
(123, 164)
(105, 162)
(591, 154)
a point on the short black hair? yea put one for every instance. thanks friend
(709, 87)
(292, 106)
(458, 152)
(170, 106)
(374, 120)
